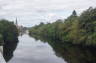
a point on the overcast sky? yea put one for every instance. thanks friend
(32, 12)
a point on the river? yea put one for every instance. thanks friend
(30, 50)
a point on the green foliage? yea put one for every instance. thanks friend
(1, 40)
(9, 36)
(75, 29)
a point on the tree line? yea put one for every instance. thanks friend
(74, 29)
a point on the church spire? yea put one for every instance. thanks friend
(16, 22)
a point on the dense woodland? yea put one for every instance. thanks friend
(8, 38)
(74, 29)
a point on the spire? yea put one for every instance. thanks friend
(16, 22)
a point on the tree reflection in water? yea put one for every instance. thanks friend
(71, 53)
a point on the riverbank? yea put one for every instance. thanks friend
(2, 60)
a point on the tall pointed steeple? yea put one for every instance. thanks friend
(16, 21)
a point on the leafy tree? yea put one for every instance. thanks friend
(8, 34)
(1, 40)
(75, 29)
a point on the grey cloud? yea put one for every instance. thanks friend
(35, 11)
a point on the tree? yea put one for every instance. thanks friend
(74, 13)
(8, 34)
(1, 40)
(75, 29)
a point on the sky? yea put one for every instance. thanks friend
(32, 12)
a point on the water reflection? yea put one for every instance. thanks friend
(31, 51)
(9, 49)
(71, 53)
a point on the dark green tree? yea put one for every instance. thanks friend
(8, 34)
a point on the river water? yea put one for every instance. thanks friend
(31, 51)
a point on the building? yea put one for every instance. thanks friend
(16, 23)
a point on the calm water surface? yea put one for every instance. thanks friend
(31, 51)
